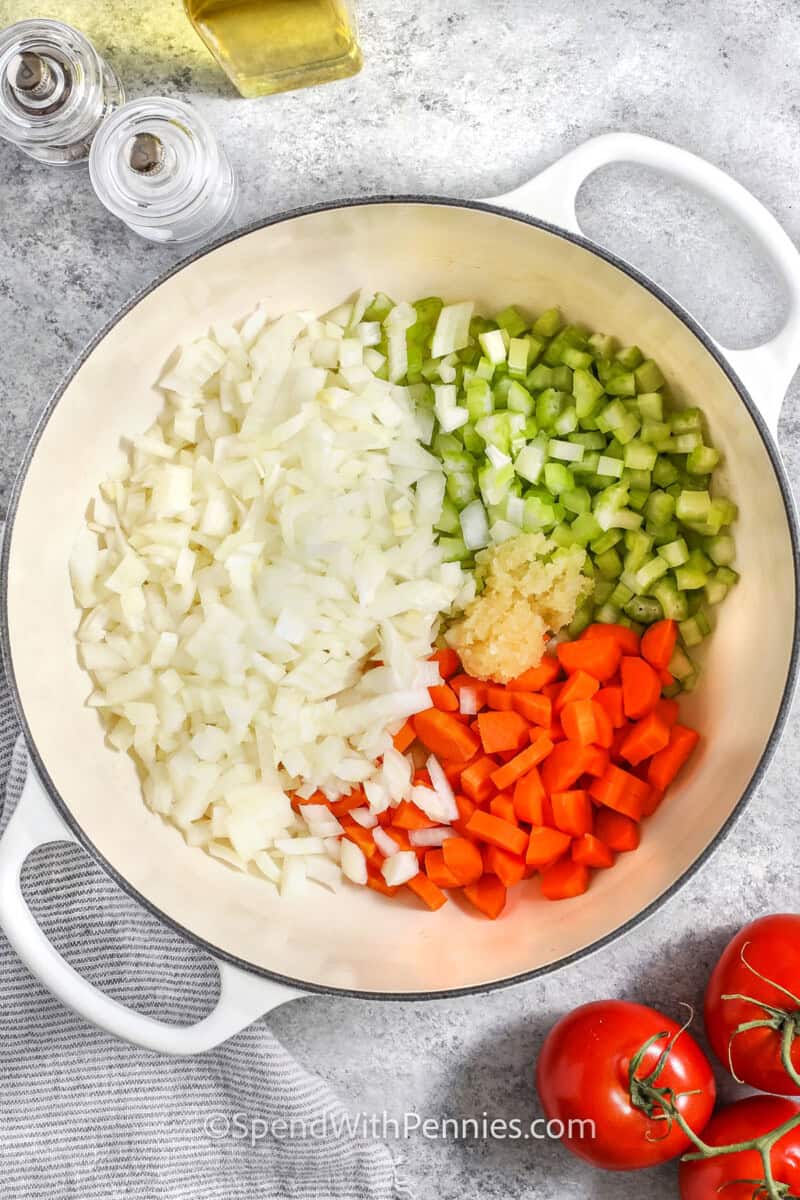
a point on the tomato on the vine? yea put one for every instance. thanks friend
(764, 954)
(737, 1176)
(583, 1074)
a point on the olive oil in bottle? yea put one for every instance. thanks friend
(267, 46)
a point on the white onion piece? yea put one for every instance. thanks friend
(354, 864)
(431, 837)
(400, 868)
(364, 817)
(385, 842)
(468, 701)
(441, 785)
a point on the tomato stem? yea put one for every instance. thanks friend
(782, 1020)
(660, 1103)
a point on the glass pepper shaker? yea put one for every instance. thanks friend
(55, 91)
(157, 166)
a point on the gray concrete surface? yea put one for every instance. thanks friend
(467, 100)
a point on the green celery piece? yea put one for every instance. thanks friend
(640, 481)
(537, 515)
(685, 443)
(688, 578)
(379, 309)
(584, 527)
(518, 356)
(660, 507)
(609, 564)
(453, 549)
(676, 553)
(664, 472)
(685, 420)
(639, 456)
(602, 345)
(638, 498)
(589, 441)
(562, 378)
(648, 376)
(530, 461)
(519, 399)
(473, 442)
(448, 519)
(623, 384)
(721, 549)
(577, 500)
(548, 324)
(673, 603)
(638, 546)
(576, 359)
(702, 460)
(630, 357)
(621, 594)
(581, 620)
(716, 590)
(558, 478)
(650, 572)
(588, 464)
(428, 310)
(691, 633)
(484, 369)
(645, 609)
(607, 614)
(510, 320)
(692, 506)
(587, 391)
(606, 540)
(602, 591)
(502, 387)
(655, 432)
(539, 378)
(495, 483)
(662, 534)
(460, 488)
(548, 406)
(480, 402)
(567, 421)
(650, 406)
(562, 535)
(495, 430)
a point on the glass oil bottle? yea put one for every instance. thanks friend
(268, 46)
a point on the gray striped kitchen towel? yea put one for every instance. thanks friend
(86, 1117)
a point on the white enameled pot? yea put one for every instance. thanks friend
(524, 247)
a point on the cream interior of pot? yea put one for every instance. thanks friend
(358, 939)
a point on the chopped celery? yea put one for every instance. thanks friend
(651, 407)
(576, 359)
(567, 421)
(639, 456)
(644, 608)
(606, 540)
(702, 460)
(484, 369)
(548, 406)
(537, 515)
(648, 377)
(519, 399)
(530, 461)
(453, 549)
(558, 478)
(577, 500)
(493, 346)
(564, 451)
(562, 379)
(539, 378)
(692, 506)
(602, 345)
(684, 420)
(675, 554)
(660, 507)
(548, 324)
(510, 320)
(460, 488)
(607, 614)
(623, 384)
(448, 518)
(673, 603)
(609, 466)
(630, 357)
(518, 356)
(474, 526)
(721, 549)
(609, 564)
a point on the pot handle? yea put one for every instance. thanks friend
(243, 997)
(766, 370)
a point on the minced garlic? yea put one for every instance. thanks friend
(528, 594)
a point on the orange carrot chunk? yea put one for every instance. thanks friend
(427, 891)
(529, 797)
(448, 661)
(626, 639)
(658, 643)
(545, 846)
(641, 688)
(408, 816)
(646, 738)
(502, 805)
(376, 881)
(362, 837)
(498, 698)
(487, 895)
(438, 871)
(621, 791)
(340, 808)
(598, 657)
(444, 698)
(510, 772)
(564, 879)
(620, 833)
(564, 766)
(595, 760)
(476, 781)
(404, 737)
(572, 812)
(580, 686)
(664, 765)
(610, 698)
(509, 868)
(536, 678)
(502, 731)
(590, 851)
(486, 827)
(533, 707)
(579, 722)
(668, 710)
(605, 730)
(444, 735)
(463, 858)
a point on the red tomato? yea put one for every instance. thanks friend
(771, 946)
(582, 1074)
(705, 1179)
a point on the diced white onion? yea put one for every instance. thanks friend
(400, 868)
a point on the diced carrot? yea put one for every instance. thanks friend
(408, 816)
(529, 796)
(502, 805)
(590, 851)
(665, 678)
(665, 765)
(509, 868)
(444, 736)
(619, 737)
(605, 730)
(641, 688)
(668, 710)
(564, 879)
(448, 661)
(646, 738)
(536, 678)
(627, 639)
(555, 732)
(658, 643)
(444, 698)
(545, 846)
(362, 837)
(611, 700)
(340, 808)
(654, 798)
(437, 871)
(505, 756)
(552, 691)
(476, 781)
(595, 760)
(465, 806)
(564, 766)
(572, 812)
(421, 778)
(428, 892)
(463, 859)
(386, 817)
(620, 833)
(502, 731)
(621, 791)
(579, 686)
(376, 881)
(399, 835)
(487, 895)
(534, 708)
(453, 769)
(510, 772)
(598, 657)
(404, 737)
(486, 827)
(579, 722)
(499, 699)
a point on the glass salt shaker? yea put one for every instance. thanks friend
(157, 166)
(55, 91)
